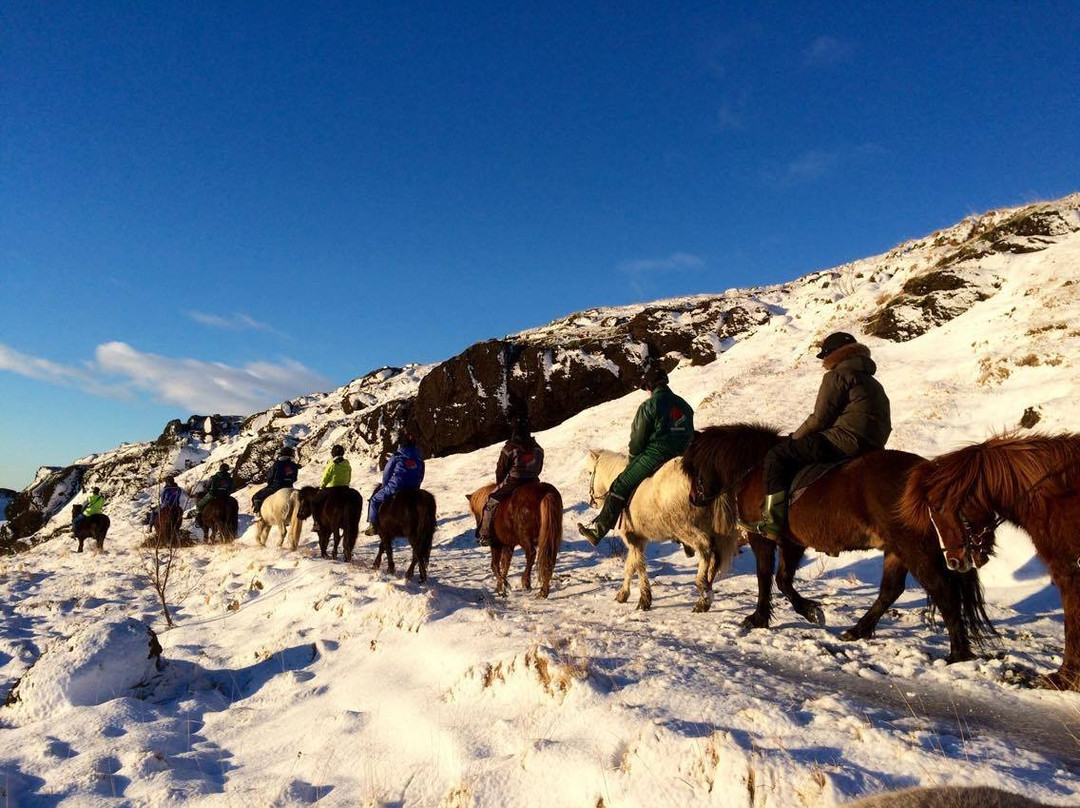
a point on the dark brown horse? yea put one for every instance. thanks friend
(90, 527)
(167, 525)
(220, 519)
(410, 514)
(531, 518)
(854, 507)
(336, 511)
(1032, 482)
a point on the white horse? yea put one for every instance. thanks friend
(280, 510)
(660, 510)
(947, 797)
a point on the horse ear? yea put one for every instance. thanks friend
(594, 455)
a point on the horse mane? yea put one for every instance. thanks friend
(994, 476)
(729, 449)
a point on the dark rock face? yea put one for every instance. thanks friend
(554, 373)
(207, 427)
(1029, 230)
(930, 300)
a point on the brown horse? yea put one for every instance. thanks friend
(90, 527)
(1032, 482)
(220, 519)
(531, 517)
(854, 507)
(167, 525)
(409, 513)
(335, 511)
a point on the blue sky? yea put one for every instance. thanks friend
(210, 206)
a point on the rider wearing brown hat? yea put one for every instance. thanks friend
(851, 417)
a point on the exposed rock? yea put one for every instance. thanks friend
(930, 300)
(1030, 417)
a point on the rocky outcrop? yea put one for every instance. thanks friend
(930, 300)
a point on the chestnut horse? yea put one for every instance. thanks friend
(335, 511)
(89, 527)
(221, 519)
(531, 517)
(409, 513)
(167, 525)
(853, 507)
(1032, 482)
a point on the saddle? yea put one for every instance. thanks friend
(808, 475)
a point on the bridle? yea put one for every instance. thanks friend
(699, 499)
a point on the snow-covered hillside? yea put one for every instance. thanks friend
(290, 680)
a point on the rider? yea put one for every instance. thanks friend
(662, 429)
(404, 470)
(338, 471)
(282, 475)
(220, 485)
(95, 504)
(170, 495)
(520, 462)
(851, 417)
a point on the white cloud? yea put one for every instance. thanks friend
(675, 261)
(118, 370)
(237, 321)
(827, 50)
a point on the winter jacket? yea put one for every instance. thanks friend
(95, 504)
(852, 410)
(170, 495)
(220, 483)
(338, 472)
(664, 423)
(282, 474)
(404, 469)
(520, 461)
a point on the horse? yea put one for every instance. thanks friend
(335, 511)
(853, 507)
(1031, 482)
(220, 519)
(167, 525)
(660, 510)
(947, 797)
(531, 517)
(279, 510)
(409, 513)
(95, 527)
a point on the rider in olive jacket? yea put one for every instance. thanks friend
(662, 429)
(338, 471)
(851, 417)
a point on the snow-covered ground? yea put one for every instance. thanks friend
(291, 680)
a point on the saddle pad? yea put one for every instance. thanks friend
(808, 475)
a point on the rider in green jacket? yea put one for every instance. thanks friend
(338, 471)
(662, 429)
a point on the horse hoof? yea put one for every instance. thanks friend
(644, 605)
(701, 606)
(753, 622)
(850, 635)
(952, 659)
(622, 597)
(816, 615)
(542, 594)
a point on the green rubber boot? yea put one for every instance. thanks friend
(604, 522)
(773, 516)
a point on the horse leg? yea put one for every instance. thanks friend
(496, 554)
(504, 568)
(378, 554)
(893, 583)
(530, 557)
(628, 572)
(943, 589)
(705, 574)
(412, 563)
(324, 542)
(1067, 677)
(390, 555)
(791, 554)
(765, 555)
(337, 542)
(644, 587)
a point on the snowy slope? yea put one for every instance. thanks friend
(293, 681)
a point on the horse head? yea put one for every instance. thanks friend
(597, 488)
(76, 511)
(964, 524)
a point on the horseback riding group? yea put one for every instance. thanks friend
(830, 486)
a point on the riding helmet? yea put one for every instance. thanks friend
(170, 480)
(653, 376)
(337, 451)
(95, 490)
(286, 451)
(834, 342)
(224, 467)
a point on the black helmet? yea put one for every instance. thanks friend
(652, 376)
(406, 439)
(224, 467)
(286, 451)
(337, 451)
(519, 431)
(95, 490)
(834, 342)
(170, 480)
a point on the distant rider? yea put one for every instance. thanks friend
(662, 429)
(338, 471)
(220, 485)
(170, 495)
(851, 417)
(404, 470)
(520, 462)
(282, 475)
(95, 504)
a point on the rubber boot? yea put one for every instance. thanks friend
(370, 530)
(603, 523)
(774, 516)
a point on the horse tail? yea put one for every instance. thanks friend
(550, 539)
(972, 605)
(425, 525)
(232, 517)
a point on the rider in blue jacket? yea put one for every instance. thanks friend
(404, 470)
